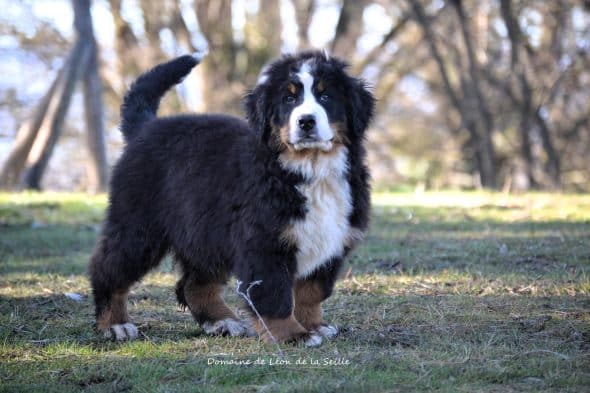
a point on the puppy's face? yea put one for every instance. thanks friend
(309, 111)
(307, 103)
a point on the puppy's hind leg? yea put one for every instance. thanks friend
(112, 272)
(205, 301)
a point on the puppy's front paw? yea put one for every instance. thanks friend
(312, 340)
(316, 337)
(280, 330)
(328, 331)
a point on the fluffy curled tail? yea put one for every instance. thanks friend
(143, 98)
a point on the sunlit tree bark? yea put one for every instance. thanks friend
(31, 153)
(349, 28)
(479, 131)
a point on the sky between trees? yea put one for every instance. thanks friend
(471, 93)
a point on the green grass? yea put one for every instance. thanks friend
(453, 292)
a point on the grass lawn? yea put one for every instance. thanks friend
(455, 292)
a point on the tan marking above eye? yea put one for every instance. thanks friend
(292, 88)
(321, 87)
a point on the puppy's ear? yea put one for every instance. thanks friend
(257, 109)
(361, 106)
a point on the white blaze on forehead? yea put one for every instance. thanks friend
(309, 106)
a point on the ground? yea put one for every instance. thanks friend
(454, 292)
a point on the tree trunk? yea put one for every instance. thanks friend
(303, 14)
(269, 26)
(10, 178)
(553, 165)
(157, 15)
(525, 145)
(220, 92)
(37, 139)
(525, 101)
(180, 29)
(93, 107)
(53, 122)
(127, 48)
(97, 168)
(262, 40)
(483, 122)
(529, 112)
(481, 138)
(349, 28)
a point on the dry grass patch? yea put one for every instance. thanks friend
(455, 292)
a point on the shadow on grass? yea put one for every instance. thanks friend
(390, 231)
(42, 320)
(489, 295)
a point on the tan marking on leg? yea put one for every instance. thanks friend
(206, 302)
(308, 307)
(283, 330)
(115, 312)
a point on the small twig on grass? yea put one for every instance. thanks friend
(246, 296)
(43, 341)
(146, 337)
(559, 355)
(348, 274)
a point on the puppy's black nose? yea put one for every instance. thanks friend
(306, 122)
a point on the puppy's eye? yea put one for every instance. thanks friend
(324, 98)
(290, 99)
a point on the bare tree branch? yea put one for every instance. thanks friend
(390, 36)
(481, 135)
(349, 27)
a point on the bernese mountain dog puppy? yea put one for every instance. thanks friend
(279, 200)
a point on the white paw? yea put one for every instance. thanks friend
(227, 326)
(126, 331)
(328, 331)
(313, 340)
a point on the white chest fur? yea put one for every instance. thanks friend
(325, 229)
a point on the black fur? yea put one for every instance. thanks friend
(326, 275)
(210, 190)
(143, 98)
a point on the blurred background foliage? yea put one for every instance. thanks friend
(471, 94)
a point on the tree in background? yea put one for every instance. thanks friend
(233, 64)
(471, 93)
(36, 139)
(515, 74)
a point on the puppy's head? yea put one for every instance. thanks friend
(307, 103)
